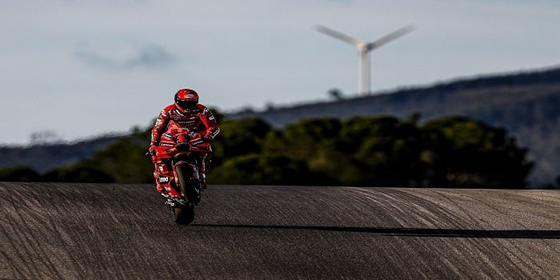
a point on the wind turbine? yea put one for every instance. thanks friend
(364, 48)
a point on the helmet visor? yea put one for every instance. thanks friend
(187, 105)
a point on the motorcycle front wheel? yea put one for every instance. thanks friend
(189, 185)
(184, 215)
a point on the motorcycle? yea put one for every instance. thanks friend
(183, 164)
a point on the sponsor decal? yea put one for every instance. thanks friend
(197, 142)
(187, 122)
(164, 179)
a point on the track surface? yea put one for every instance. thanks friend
(96, 231)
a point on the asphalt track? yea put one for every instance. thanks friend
(110, 231)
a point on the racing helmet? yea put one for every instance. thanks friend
(186, 100)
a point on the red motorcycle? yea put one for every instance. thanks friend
(182, 159)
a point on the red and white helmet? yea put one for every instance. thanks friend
(186, 100)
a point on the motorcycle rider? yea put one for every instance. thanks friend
(190, 115)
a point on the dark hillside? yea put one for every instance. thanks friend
(525, 104)
(458, 97)
(43, 158)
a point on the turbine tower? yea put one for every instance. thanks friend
(364, 48)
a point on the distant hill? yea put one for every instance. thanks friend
(45, 157)
(526, 104)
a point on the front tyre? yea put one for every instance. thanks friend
(189, 185)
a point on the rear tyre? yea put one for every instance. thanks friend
(184, 215)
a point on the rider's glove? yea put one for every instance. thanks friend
(152, 150)
(208, 138)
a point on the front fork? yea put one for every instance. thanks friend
(204, 165)
(197, 169)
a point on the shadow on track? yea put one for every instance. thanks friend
(416, 232)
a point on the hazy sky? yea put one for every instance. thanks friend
(77, 68)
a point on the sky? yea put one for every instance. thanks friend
(75, 69)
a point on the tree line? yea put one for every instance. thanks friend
(372, 151)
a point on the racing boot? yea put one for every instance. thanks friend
(159, 185)
(203, 169)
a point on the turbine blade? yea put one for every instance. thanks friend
(340, 36)
(391, 36)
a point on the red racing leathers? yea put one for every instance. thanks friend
(200, 122)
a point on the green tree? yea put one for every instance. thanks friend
(19, 174)
(125, 161)
(384, 150)
(380, 151)
(239, 137)
(312, 140)
(79, 173)
(254, 169)
(471, 154)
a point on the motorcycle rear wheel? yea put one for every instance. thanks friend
(184, 215)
